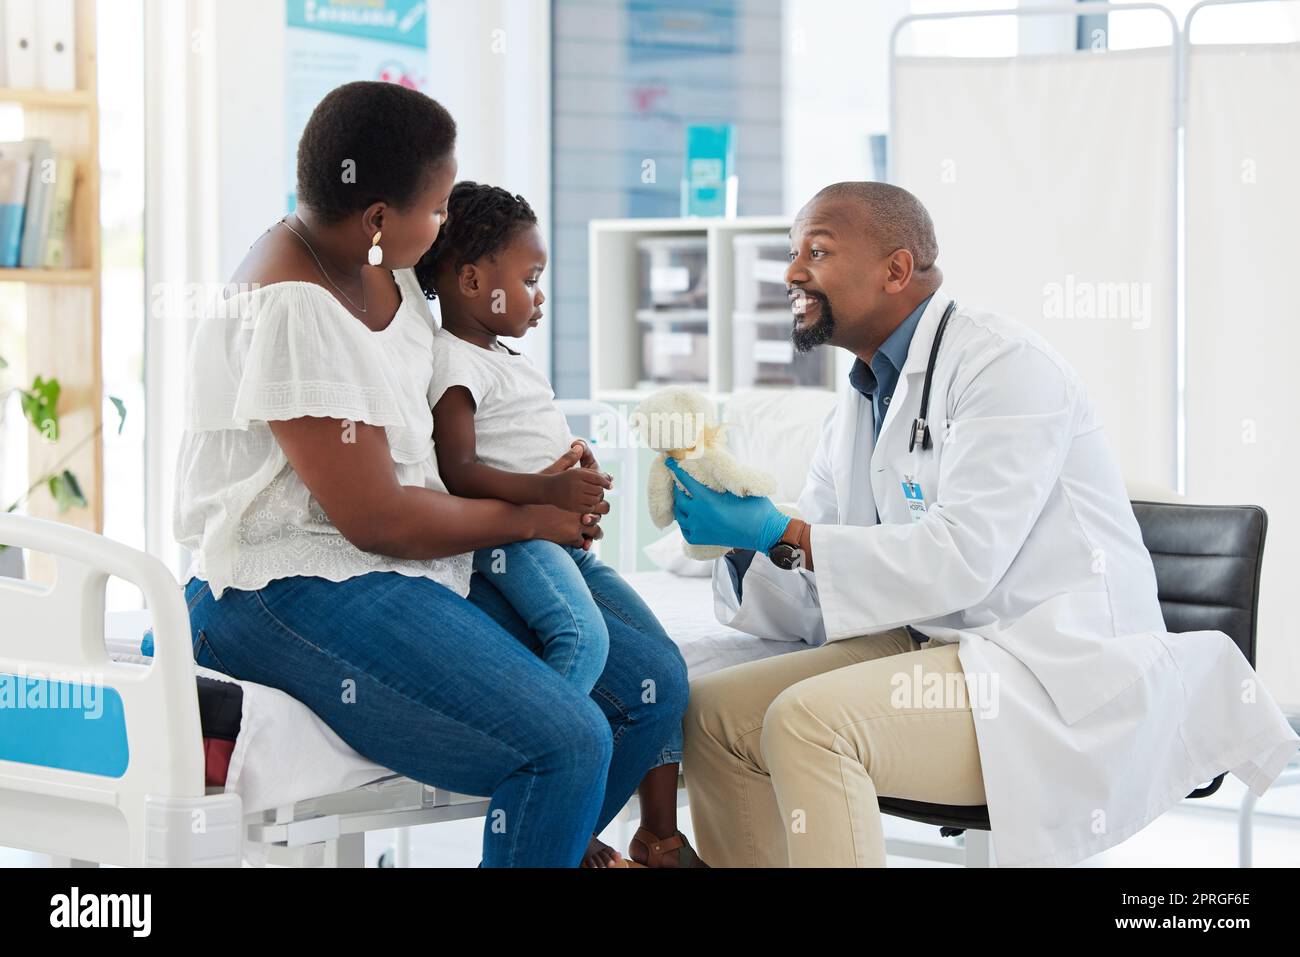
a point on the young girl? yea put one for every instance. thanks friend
(496, 428)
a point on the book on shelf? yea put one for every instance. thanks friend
(36, 192)
(65, 177)
(40, 190)
(15, 165)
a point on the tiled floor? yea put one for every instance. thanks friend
(1194, 834)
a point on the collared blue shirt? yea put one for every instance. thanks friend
(877, 380)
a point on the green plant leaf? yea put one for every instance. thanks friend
(40, 406)
(4, 363)
(66, 491)
(121, 412)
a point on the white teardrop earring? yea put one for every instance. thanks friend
(376, 255)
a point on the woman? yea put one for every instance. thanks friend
(329, 560)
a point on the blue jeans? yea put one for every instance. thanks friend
(628, 621)
(419, 680)
(545, 584)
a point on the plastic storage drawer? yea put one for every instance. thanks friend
(672, 273)
(761, 260)
(763, 354)
(674, 350)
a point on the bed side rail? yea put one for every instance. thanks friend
(96, 753)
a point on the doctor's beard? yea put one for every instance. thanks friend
(819, 333)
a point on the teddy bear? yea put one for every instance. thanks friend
(678, 421)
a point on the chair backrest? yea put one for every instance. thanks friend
(1207, 560)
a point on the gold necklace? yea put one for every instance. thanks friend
(325, 273)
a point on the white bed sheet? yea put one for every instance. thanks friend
(684, 606)
(285, 753)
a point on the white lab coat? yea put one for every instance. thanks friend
(1030, 557)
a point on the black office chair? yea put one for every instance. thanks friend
(1207, 560)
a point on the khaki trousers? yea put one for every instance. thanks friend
(784, 757)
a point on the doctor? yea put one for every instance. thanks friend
(970, 573)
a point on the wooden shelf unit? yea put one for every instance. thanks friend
(63, 305)
(70, 277)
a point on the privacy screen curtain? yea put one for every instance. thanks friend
(1051, 182)
(1243, 321)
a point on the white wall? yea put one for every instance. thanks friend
(492, 70)
(837, 90)
(249, 48)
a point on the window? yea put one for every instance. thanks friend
(629, 76)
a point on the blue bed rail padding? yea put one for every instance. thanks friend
(70, 725)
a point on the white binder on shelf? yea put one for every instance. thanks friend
(56, 58)
(20, 43)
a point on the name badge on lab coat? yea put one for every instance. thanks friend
(915, 499)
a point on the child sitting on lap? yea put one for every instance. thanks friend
(497, 434)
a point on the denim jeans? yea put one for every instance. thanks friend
(417, 679)
(545, 585)
(628, 621)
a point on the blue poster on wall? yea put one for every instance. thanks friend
(659, 30)
(332, 42)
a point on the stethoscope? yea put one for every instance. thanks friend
(920, 427)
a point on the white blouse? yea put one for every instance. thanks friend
(283, 351)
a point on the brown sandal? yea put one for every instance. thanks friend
(663, 849)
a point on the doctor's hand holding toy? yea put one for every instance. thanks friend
(718, 502)
(708, 517)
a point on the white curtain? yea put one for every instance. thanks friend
(1051, 183)
(1243, 321)
(183, 220)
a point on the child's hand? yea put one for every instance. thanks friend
(578, 453)
(577, 490)
(571, 457)
(566, 528)
(588, 460)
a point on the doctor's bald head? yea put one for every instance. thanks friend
(862, 255)
(890, 216)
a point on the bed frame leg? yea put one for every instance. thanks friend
(403, 847)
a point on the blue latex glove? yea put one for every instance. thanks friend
(707, 517)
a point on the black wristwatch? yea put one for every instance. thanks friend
(786, 553)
